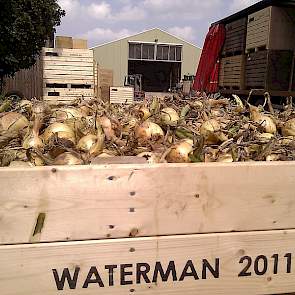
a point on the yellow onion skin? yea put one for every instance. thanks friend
(33, 141)
(20, 164)
(67, 158)
(265, 136)
(289, 128)
(180, 152)
(67, 113)
(91, 144)
(209, 131)
(264, 121)
(225, 158)
(148, 130)
(169, 117)
(13, 121)
(61, 130)
(151, 158)
(144, 113)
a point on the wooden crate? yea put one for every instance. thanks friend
(232, 72)
(80, 44)
(235, 39)
(122, 95)
(68, 74)
(269, 70)
(104, 79)
(148, 229)
(271, 28)
(64, 42)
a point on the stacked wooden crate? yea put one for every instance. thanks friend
(270, 46)
(67, 74)
(232, 64)
(122, 95)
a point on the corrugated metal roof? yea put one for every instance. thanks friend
(256, 7)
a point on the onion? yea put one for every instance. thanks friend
(106, 125)
(265, 136)
(151, 158)
(272, 158)
(61, 130)
(67, 158)
(209, 130)
(86, 111)
(20, 164)
(289, 128)
(169, 117)
(13, 122)
(180, 152)
(91, 144)
(149, 131)
(264, 121)
(225, 158)
(32, 140)
(25, 104)
(67, 113)
(131, 124)
(144, 113)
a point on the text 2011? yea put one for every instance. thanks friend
(261, 264)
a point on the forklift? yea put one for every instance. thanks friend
(135, 81)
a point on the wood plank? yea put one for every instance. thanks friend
(70, 91)
(72, 80)
(69, 52)
(67, 78)
(62, 72)
(30, 269)
(69, 66)
(155, 200)
(62, 59)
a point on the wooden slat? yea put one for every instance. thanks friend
(68, 67)
(145, 200)
(69, 52)
(73, 80)
(30, 269)
(66, 60)
(82, 72)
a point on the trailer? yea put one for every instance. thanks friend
(148, 229)
(258, 51)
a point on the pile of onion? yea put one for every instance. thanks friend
(169, 117)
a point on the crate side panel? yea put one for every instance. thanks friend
(36, 269)
(139, 200)
(255, 36)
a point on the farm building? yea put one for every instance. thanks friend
(161, 58)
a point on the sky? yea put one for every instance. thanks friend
(103, 21)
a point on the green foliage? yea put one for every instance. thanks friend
(25, 25)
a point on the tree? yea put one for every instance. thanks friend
(25, 25)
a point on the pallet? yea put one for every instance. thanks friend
(231, 74)
(70, 78)
(148, 229)
(235, 39)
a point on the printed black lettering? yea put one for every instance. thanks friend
(111, 268)
(142, 272)
(96, 280)
(276, 262)
(72, 281)
(125, 273)
(289, 260)
(189, 271)
(244, 272)
(260, 272)
(214, 271)
(164, 276)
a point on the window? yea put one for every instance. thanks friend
(146, 51)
